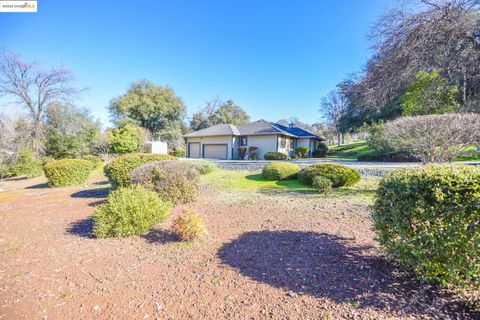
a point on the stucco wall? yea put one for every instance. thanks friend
(213, 140)
(264, 143)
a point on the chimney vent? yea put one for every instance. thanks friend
(291, 125)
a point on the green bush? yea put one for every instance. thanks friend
(180, 152)
(242, 151)
(321, 151)
(322, 184)
(129, 211)
(302, 152)
(119, 170)
(174, 181)
(275, 156)
(189, 226)
(339, 175)
(203, 166)
(427, 218)
(27, 164)
(280, 171)
(126, 139)
(67, 172)
(95, 161)
(253, 153)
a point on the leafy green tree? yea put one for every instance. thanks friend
(71, 131)
(126, 139)
(219, 112)
(150, 106)
(430, 94)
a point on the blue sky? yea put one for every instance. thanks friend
(274, 58)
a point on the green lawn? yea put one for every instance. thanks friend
(250, 180)
(363, 191)
(349, 151)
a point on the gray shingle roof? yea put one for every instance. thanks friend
(258, 127)
(216, 130)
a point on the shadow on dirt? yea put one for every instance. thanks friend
(38, 186)
(82, 228)
(159, 236)
(324, 265)
(92, 193)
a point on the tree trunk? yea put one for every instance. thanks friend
(338, 138)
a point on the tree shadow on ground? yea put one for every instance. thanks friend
(38, 186)
(82, 228)
(324, 265)
(92, 193)
(160, 236)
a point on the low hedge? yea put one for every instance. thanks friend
(275, 156)
(280, 171)
(174, 181)
(67, 172)
(203, 166)
(428, 220)
(119, 170)
(339, 175)
(129, 211)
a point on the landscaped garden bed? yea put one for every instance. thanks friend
(271, 249)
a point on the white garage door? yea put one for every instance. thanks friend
(194, 150)
(215, 151)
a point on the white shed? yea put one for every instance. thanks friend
(157, 147)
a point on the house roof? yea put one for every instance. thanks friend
(216, 130)
(298, 132)
(259, 127)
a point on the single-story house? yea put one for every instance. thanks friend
(222, 141)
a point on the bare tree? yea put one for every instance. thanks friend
(414, 36)
(34, 89)
(434, 138)
(332, 108)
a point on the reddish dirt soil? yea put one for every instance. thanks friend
(268, 256)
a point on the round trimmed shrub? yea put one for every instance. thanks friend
(339, 175)
(203, 166)
(174, 181)
(302, 151)
(322, 184)
(119, 170)
(95, 161)
(189, 226)
(428, 220)
(275, 156)
(67, 172)
(129, 211)
(321, 151)
(280, 171)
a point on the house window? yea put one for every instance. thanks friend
(283, 142)
(243, 141)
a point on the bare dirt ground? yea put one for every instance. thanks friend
(269, 255)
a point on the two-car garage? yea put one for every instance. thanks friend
(208, 151)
